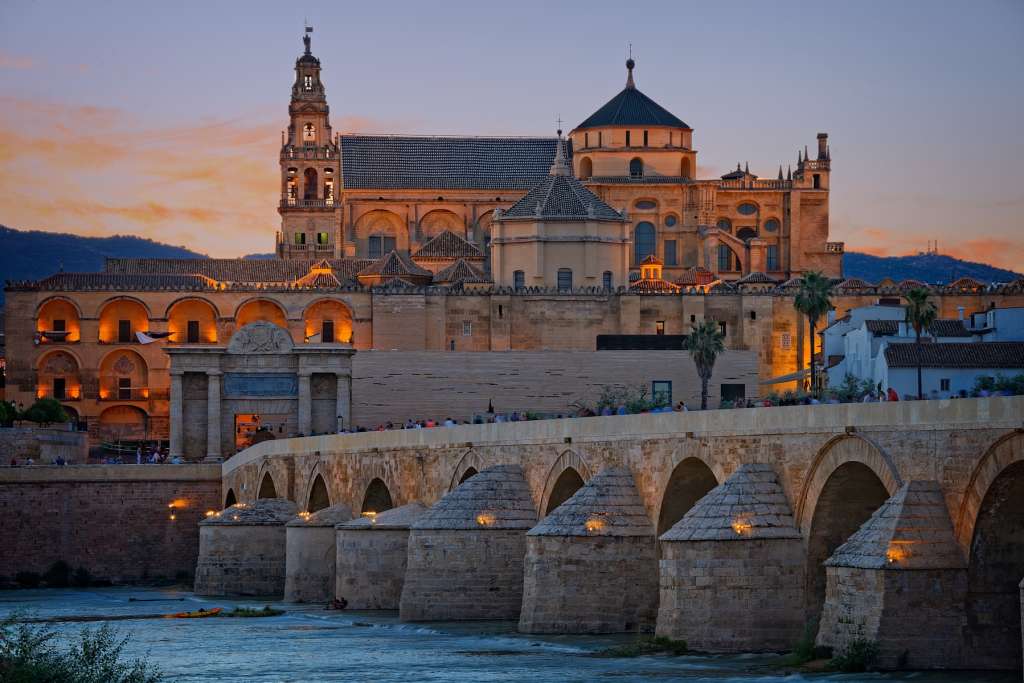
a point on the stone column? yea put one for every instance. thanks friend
(344, 401)
(305, 404)
(213, 415)
(177, 426)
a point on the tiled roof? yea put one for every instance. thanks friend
(632, 108)
(437, 162)
(883, 328)
(320, 280)
(561, 197)
(992, 355)
(652, 260)
(394, 264)
(949, 328)
(854, 283)
(911, 284)
(448, 245)
(696, 276)
(966, 283)
(756, 278)
(844, 319)
(460, 271)
(87, 281)
(653, 286)
(233, 269)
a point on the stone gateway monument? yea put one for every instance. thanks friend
(260, 386)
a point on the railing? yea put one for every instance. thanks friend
(817, 164)
(295, 203)
(69, 394)
(835, 247)
(115, 393)
(292, 152)
(756, 184)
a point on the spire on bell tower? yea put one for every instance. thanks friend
(306, 39)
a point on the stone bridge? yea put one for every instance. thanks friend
(835, 464)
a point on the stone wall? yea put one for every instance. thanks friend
(42, 445)
(371, 567)
(112, 520)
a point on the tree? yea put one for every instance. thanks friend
(704, 343)
(45, 411)
(8, 413)
(921, 313)
(813, 300)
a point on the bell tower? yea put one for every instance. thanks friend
(309, 208)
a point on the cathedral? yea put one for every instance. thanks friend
(628, 189)
(429, 276)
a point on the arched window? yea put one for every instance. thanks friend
(309, 133)
(606, 280)
(565, 279)
(518, 279)
(310, 190)
(643, 241)
(307, 82)
(725, 259)
(586, 168)
(636, 168)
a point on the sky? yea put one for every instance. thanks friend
(164, 120)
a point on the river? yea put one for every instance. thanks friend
(311, 644)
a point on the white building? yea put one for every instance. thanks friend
(875, 343)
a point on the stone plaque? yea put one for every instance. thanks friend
(238, 384)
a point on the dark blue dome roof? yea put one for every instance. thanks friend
(632, 108)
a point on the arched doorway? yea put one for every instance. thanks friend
(995, 571)
(230, 499)
(690, 481)
(328, 321)
(192, 321)
(377, 498)
(309, 185)
(267, 488)
(470, 472)
(318, 496)
(851, 494)
(568, 483)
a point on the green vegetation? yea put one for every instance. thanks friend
(813, 300)
(45, 411)
(249, 612)
(921, 313)
(704, 343)
(858, 657)
(647, 645)
(8, 413)
(29, 653)
(1014, 386)
(805, 650)
(635, 397)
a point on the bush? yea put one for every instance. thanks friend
(250, 612)
(27, 579)
(29, 653)
(58, 575)
(805, 650)
(46, 411)
(858, 657)
(635, 397)
(648, 645)
(81, 578)
(8, 413)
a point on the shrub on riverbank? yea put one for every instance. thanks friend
(648, 645)
(249, 612)
(30, 653)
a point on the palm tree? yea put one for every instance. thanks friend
(813, 300)
(921, 313)
(704, 343)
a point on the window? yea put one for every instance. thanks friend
(60, 326)
(327, 332)
(817, 181)
(380, 245)
(731, 392)
(586, 168)
(322, 239)
(772, 258)
(564, 279)
(606, 280)
(59, 387)
(645, 138)
(467, 328)
(518, 279)
(771, 225)
(670, 221)
(643, 241)
(124, 388)
(586, 139)
(724, 258)
(670, 253)
(944, 384)
(646, 205)
(693, 318)
(598, 138)
(661, 392)
(659, 327)
(627, 138)
(636, 168)
(124, 331)
(721, 327)
(786, 341)
(724, 224)
(753, 315)
(501, 311)
(307, 82)
(309, 133)
(451, 345)
(300, 238)
(192, 332)
(747, 209)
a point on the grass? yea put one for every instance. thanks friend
(858, 657)
(249, 612)
(805, 650)
(647, 645)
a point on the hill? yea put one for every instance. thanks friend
(931, 268)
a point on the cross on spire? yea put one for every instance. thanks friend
(558, 121)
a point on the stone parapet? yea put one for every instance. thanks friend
(371, 558)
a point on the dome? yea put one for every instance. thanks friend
(632, 108)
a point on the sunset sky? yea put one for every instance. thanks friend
(164, 120)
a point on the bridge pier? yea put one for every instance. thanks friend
(466, 553)
(371, 558)
(242, 549)
(901, 582)
(732, 569)
(591, 564)
(310, 554)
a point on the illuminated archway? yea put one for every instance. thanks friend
(260, 310)
(192, 321)
(124, 376)
(58, 320)
(123, 423)
(121, 319)
(58, 376)
(328, 321)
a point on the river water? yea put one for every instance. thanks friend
(310, 644)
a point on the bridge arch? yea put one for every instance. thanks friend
(318, 496)
(565, 476)
(377, 497)
(849, 479)
(471, 460)
(992, 522)
(267, 489)
(230, 498)
(691, 479)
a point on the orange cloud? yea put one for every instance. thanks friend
(9, 61)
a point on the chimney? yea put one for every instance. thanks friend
(822, 146)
